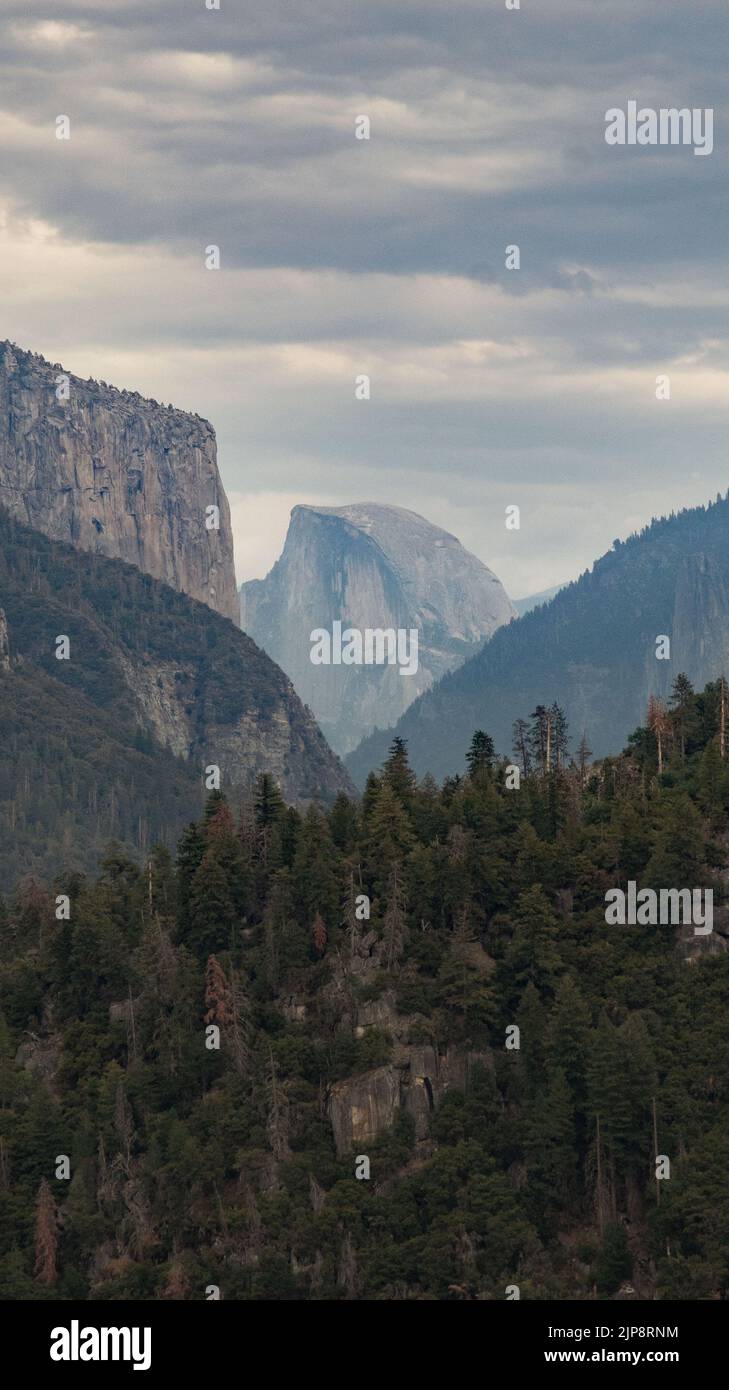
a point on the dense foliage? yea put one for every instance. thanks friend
(192, 1167)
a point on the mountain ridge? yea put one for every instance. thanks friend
(596, 636)
(157, 688)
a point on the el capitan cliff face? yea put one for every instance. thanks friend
(113, 473)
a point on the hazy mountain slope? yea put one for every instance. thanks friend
(525, 605)
(592, 648)
(114, 741)
(111, 472)
(370, 566)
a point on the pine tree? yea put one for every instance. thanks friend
(397, 772)
(532, 954)
(395, 921)
(343, 824)
(679, 852)
(660, 726)
(212, 913)
(190, 851)
(584, 753)
(712, 781)
(522, 745)
(46, 1236)
(539, 738)
(278, 1112)
(315, 874)
(614, 1263)
(390, 832)
(682, 695)
(481, 754)
(551, 1152)
(559, 738)
(567, 1036)
(268, 801)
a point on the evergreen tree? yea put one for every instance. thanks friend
(268, 801)
(522, 746)
(397, 772)
(614, 1264)
(481, 754)
(390, 834)
(681, 701)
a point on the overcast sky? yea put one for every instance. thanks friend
(341, 256)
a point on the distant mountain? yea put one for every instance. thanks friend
(525, 605)
(592, 649)
(111, 472)
(114, 742)
(370, 567)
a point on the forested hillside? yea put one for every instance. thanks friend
(594, 649)
(363, 1131)
(112, 740)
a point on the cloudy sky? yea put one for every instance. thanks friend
(386, 256)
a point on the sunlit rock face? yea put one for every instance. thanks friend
(370, 568)
(111, 472)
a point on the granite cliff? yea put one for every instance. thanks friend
(370, 567)
(113, 473)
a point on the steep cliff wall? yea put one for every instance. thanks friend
(111, 472)
(370, 566)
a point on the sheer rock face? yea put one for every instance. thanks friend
(111, 472)
(4, 643)
(370, 567)
(363, 1108)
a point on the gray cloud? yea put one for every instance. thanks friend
(386, 256)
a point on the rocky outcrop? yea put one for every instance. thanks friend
(370, 567)
(111, 472)
(363, 1108)
(4, 643)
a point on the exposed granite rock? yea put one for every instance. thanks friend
(4, 643)
(363, 1108)
(376, 567)
(40, 1056)
(693, 947)
(111, 472)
